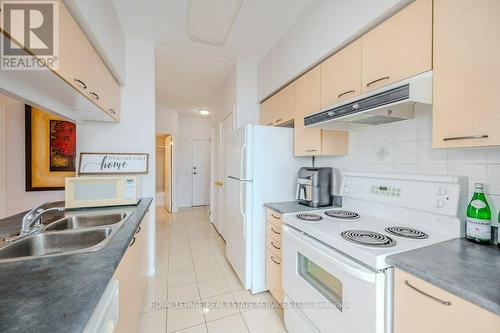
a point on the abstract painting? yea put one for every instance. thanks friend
(62, 145)
(50, 148)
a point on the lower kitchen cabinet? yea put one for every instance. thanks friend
(131, 276)
(273, 254)
(422, 307)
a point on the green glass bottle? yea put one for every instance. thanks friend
(479, 217)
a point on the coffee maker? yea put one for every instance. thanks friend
(314, 187)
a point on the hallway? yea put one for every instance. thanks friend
(191, 267)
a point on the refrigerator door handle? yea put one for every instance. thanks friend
(242, 211)
(242, 162)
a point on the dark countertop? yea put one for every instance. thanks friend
(59, 294)
(293, 207)
(467, 270)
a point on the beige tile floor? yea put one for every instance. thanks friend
(191, 267)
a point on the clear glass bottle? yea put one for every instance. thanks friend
(478, 227)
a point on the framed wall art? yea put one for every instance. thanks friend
(50, 148)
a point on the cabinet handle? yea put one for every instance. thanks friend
(311, 150)
(138, 230)
(277, 263)
(276, 247)
(276, 217)
(345, 93)
(132, 242)
(426, 294)
(485, 136)
(277, 233)
(278, 120)
(112, 111)
(269, 124)
(93, 94)
(378, 80)
(82, 84)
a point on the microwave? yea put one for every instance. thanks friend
(103, 191)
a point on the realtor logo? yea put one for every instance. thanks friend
(31, 35)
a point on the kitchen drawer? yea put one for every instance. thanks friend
(274, 217)
(273, 276)
(274, 244)
(274, 230)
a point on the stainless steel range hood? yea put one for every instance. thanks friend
(389, 104)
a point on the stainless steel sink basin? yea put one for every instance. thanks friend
(56, 243)
(73, 234)
(87, 221)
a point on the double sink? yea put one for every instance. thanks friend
(69, 235)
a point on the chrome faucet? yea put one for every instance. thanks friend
(32, 221)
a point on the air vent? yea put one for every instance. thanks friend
(210, 21)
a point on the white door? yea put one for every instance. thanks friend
(200, 172)
(226, 126)
(168, 173)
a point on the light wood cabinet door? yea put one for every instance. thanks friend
(307, 141)
(314, 141)
(466, 74)
(418, 307)
(131, 274)
(341, 75)
(266, 112)
(279, 108)
(106, 88)
(273, 275)
(274, 217)
(75, 53)
(398, 48)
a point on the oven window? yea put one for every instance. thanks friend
(325, 283)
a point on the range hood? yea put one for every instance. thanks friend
(389, 104)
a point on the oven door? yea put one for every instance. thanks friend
(335, 293)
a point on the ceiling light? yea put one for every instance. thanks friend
(210, 21)
(204, 112)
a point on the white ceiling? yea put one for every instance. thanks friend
(189, 73)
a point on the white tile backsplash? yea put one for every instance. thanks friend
(493, 178)
(404, 131)
(406, 147)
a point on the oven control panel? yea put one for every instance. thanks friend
(437, 194)
(386, 190)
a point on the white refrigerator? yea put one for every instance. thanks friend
(260, 167)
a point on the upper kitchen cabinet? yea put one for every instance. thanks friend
(398, 48)
(81, 66)
(341, 75)
(279, 108)
(80, 87)
(466, 74)
(314, 141)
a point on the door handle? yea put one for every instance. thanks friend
(484, 136)
(378, 80)
(447, 303)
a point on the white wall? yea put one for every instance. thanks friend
(238, 94)
(99, 21)
(167, 120)
(190, 128)
(323, 28)
(247, 103)
(17, 199)
(406, 147)
(136, 130)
